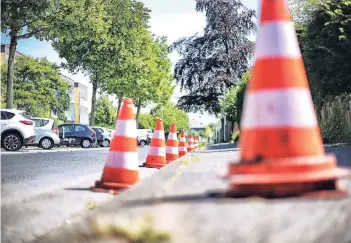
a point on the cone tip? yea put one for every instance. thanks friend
(128, 101)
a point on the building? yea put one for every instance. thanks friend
(4, 57)
(79, 108)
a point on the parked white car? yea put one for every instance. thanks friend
(46, 133)
(17, 129)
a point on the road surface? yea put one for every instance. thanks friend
(40, 191)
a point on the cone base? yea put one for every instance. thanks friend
(181, 154)
(154, 165)
(284, 177)
(311, 190)
(171, 157)
(109, 187)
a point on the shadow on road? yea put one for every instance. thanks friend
(78, 189)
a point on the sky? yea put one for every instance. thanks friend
(172, 18)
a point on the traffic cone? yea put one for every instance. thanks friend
(282, 153)
(196, 142)
(182, 145)
(156, 157)
(121, 168)
(172, 144)
(190, 143)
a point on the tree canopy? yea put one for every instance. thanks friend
(38, 88)
(233, 101)
(216, 59)
(105, 115)
(47, 19)
(325, 40)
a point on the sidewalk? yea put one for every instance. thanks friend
(180, 201)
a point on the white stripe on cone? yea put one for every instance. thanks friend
(172, 136)
(182, 149)
(182, 139)
(277, 39)
(171, 150)
(157, 151)
(291, 107)
(160, 134)
(126, 128)
(125, 160)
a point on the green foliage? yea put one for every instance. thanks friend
(202, 133)
(38, 88)
(232, 103)
(325, 40)
(105, 115)
(146, 121)
(208, 131)
(335, 122)
(45, 19)
(218, 58)
(235, 137)
(171, 113)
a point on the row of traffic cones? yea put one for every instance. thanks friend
(281, 146)
(121, 169)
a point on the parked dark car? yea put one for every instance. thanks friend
(103, 136)
(77, 135)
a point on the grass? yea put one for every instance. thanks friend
(141, 231)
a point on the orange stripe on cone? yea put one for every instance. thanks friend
(182, 148)
(121, 168)
(172, 144)
(156, 157)
(282, 152)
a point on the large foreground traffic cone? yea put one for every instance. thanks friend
(282, 153)
(172, 144)
(182, 149)
(156, 157)
(190, 143)
(121, 168)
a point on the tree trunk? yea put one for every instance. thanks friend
(137, 113)
(120, 99)
(93, 100)
(11, 62)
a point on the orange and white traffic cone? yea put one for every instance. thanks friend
(172, 144)
(182, 145)
(196, 142)
(282, 153)
(190, 143)
(121, 168)
(156, 157)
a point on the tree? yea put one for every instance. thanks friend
(208, 131)
(325, 40)
(38, 88)
(170, 113)
(23, 19)
(233, 101)
(218, 58)
(146, 121)
(105, 112)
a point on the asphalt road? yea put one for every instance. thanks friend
(40, 191)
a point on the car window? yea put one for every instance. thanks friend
(37, 122)
(5, 115)
(25, 115)
(97, 130)
(44, 122)
(67, 128)
(79, 128)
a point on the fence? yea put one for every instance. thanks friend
(335, 120)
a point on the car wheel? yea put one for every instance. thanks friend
(95, 145)
(105, 143)
(46, 143)
(12, 142)
(85, 143)
(142, 143)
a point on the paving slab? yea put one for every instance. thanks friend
(179, 200)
